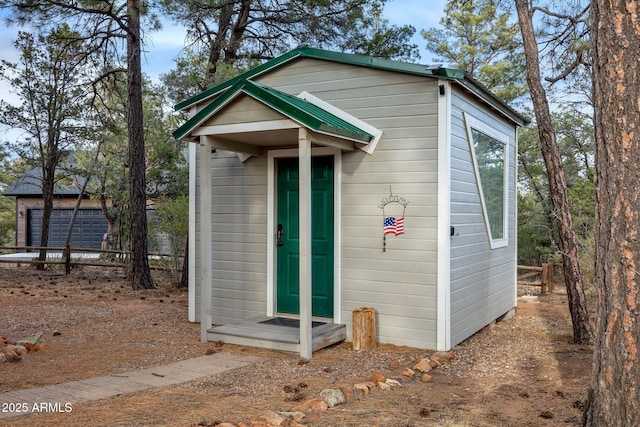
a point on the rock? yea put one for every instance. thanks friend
(423, 365)
(395, 364)
(3, 357)
(32, 343)
(384, 386)
(426, 378)
(294, 423)
(352, 393)
(273, 418)
(12, 353)
(433, 364)
(332, 397)
(20, 349)
(292, 415)
(364, 387)
(392, 383)
(6, 340)
(260, 424)
(378, 378)
(311, 406)
(226, 425)
(442, 357)
(408, 372)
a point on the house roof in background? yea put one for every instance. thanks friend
(30, 184)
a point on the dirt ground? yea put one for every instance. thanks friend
(520, 372)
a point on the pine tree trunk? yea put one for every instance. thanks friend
(614, 399)
(48, 183)
(557, 182)
(140, 272)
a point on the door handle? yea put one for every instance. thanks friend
(279, 234)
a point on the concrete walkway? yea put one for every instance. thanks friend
(60, 396)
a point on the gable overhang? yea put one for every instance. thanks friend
(327, 125)
(438, 71)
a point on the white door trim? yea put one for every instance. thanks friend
(271, 224)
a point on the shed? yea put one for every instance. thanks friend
(322, 182)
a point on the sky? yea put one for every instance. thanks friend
(163, 46)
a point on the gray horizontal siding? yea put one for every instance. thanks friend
(401, 282)
(482, 280)
(239, 249)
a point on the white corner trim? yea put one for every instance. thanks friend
(444, 219)
(377, 133)
(193, 176)
(206, 271)
(515, 220)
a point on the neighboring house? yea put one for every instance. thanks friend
(323, 182)
(90, 224)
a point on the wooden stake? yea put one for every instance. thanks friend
(364, 329)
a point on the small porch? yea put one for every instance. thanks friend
(277, 333)
(253, 120)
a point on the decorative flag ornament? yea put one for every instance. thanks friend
(393, 226)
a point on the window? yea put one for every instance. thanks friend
(489, 150)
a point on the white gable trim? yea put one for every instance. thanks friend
(246, 127)
(377, 133)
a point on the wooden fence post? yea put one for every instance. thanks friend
(364, 328)
(547, 277)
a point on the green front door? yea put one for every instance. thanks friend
(288, 298)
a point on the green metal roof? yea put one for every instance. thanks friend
(364, 61)
(346, 58)
(298, 109)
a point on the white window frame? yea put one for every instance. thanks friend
(474, 124)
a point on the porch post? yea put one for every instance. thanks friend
(304, 159)
(204, 166)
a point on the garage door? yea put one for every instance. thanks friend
(88, 228)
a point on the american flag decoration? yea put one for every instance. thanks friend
(392, 224)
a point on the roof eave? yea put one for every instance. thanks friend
(209, 93)
(479, 90)
(308, 52)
